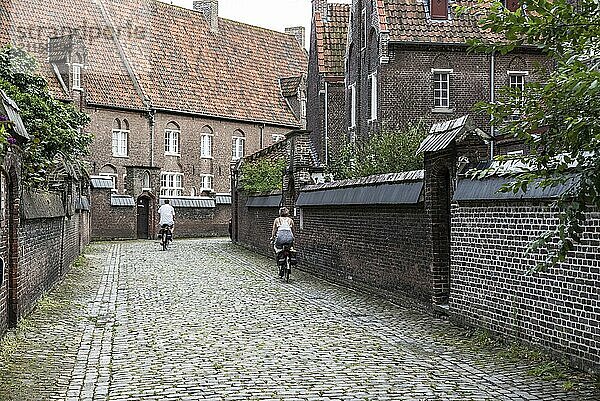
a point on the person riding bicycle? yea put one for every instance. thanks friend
(167, 216)
(282, 233)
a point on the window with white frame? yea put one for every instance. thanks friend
(172, 133)
(171, 184)
(441, 89)
(120, 137)
(372, 97)
(206, 182)
(77, 76)
(237, 145)
(516, 80)
(206, 143)
(352, 89)
(277, 137)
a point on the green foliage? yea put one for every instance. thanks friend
(558, 118)
(387, 152)
(52, 124)
(262, 175)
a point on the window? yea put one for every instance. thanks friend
(172, 139)
(206, 140)
(77, 76)
(373, 97)
(120, 137)
(516, 80)
(441, 89)
(171, 184)
(439, 9)
(237, 145)
(277, 137)
(206, 182)
(146, 181)
(352, 105)
(302, 109)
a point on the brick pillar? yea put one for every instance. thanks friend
(439, 172)
(13, 262)
(299, 163)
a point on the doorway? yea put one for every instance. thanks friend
(143, 217)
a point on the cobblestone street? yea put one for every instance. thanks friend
(210, 321)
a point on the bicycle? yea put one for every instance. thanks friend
(166, 236)
(285, 260)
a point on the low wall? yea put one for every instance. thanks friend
(255, 223)
(558, 309)
(111, 222)
(202, 222)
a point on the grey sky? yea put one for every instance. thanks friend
(272, 14)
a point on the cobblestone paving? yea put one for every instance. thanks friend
(209, 321)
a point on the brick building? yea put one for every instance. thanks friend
(407, 61)
(326, 89)
(173, 94)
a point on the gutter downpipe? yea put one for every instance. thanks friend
(326, 123)
(492, 100)
(152, 118)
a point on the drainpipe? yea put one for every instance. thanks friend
(262, 134)
(492, 100)
(152, 118)
(326, 123)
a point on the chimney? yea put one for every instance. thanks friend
(210, 9)
(299, 32)
(320, 6)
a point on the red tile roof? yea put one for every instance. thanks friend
(409, 21)
(167, 54)
(331, 38)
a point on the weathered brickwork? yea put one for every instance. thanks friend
(202, 222)
(558, 309)
(373, 247)
(255, 225)
(111, 222)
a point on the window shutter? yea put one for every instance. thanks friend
(512, 5)
(439, 9)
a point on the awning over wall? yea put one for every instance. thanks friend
(101, 182)
(386, 194)
(223, 199)
(264, 201)
(487, 189)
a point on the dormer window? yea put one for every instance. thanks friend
(439, 9)
(77, 76)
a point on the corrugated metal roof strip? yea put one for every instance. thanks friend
(264, 201)
(488, 189)
(191, 202)
(122, 201)
(101, 182)
(223, 199)
(390, 178)
(384, 194)
(12, 111)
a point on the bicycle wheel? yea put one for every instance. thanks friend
(288, 269)
(165, 242)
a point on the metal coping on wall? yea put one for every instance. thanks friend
(264, 201)
(488, 189)
(122, 200)
(385, 194)
(223, 199)
(191, 202)
(101, 182)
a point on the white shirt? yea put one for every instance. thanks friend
(167, 214)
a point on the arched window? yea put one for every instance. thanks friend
(120, 138)
(146, 180)
(110, 171)
(206, 142)
(172, 133)
(237, 144)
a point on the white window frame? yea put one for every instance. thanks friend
(171, 184)
(238, 144)
(277, 137)
(352, 89)
(373, 96)
(120, 143)
(172, 142)
(438, 93)
(515, 74)
(76, 68)
(206, 149)
(210, 178)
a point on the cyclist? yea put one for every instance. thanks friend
(167, 216)
(282, 233)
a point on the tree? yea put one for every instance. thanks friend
(53, 124)
(560, 118)
(387, 152)
(263, 175)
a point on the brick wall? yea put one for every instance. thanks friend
(110, 222)
(255, 225)
(202, 222)
(378, 248)
(558, 309)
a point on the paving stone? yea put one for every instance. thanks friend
(210, 321)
